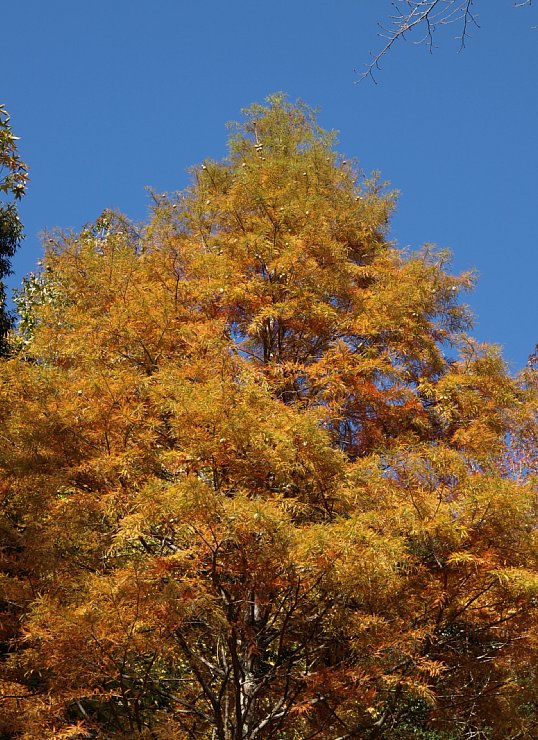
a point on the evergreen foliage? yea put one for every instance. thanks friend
(13, 179)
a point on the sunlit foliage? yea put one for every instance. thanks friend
(257, 481)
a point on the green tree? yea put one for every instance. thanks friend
(257, 479)
(13, 180)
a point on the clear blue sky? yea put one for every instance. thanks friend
(112, 96)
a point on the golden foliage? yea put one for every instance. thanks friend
(246, 492)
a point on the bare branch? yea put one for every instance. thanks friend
(425, 15)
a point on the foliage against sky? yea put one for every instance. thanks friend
(110, 97)
(13, 181)
(257, 479)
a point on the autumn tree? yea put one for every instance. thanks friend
(257, 480)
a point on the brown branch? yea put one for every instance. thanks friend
(426, 14)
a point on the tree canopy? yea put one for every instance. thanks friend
(257, 479)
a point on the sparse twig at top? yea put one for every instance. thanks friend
(427, 16)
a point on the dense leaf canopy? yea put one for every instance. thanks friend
(257, 480)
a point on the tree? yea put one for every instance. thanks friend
(257, 480)
(426, 17)
(13, 180)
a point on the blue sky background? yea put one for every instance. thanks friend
(112, 96)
